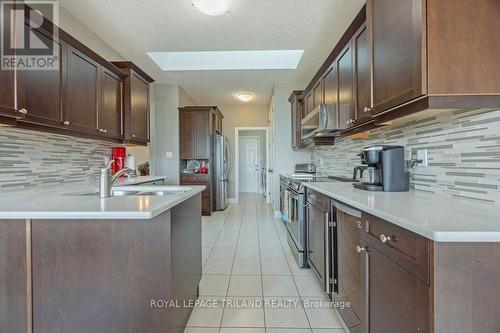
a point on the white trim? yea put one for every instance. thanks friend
(237, 157)
(277, 214)
(231, 200)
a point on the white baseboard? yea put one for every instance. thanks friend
(231, 200)
(277, 214)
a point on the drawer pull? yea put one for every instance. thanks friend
(360, 249)
(384, 239)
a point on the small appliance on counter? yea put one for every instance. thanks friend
(118, 154)
(385, 169)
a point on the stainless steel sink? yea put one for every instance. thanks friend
(120, 193)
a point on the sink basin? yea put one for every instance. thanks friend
(122, 193)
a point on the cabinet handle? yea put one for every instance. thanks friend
(66, 123)
(23, 111)
(360, 249)
(384, 239)
(367, 109)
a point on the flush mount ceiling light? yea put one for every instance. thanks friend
(227, 60)
(246, 96)
(212, 7)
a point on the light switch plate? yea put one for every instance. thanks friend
(422, 155)
(169, 154)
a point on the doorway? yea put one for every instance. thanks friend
(251, 160)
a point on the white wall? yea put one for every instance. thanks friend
(77, 29)
(240, 116)
(165, 130)
(285, 157)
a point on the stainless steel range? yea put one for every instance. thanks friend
(293, 209)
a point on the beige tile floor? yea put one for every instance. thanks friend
(246, 259)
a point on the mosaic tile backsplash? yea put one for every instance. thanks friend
(463, 152)
(31, 158)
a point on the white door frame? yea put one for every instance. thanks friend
(237, 158)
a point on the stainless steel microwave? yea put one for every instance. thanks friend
(321, 122)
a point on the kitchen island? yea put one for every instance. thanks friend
(72, 262)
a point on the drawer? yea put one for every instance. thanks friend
(194, 178)
(409, 250)
(315, 198)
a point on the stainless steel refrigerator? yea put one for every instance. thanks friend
(222, 168)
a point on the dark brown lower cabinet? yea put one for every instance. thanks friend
(206, 195)
(14, 272)
(397, 301)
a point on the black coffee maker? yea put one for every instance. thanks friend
(386, 169)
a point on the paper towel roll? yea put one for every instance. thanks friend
(130, 162)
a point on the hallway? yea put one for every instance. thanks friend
(252, 280)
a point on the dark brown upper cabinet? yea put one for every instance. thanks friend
(187, 135)
(110, 119)
(331, 92)
(136, 103)
(8, 105)
(80, 112)
(297, 114)
(197, 125)
(9, 110)
(317, 95)
(398, 57)
(433, 59)
(308, 104)
(82, 96)
(203, 135)
(362, 76)
(347, 114)
(397, 52)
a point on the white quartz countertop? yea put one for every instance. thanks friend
(434, 216)
(67, 203)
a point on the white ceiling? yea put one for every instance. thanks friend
(135, 27)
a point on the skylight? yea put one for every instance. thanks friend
(227, 60)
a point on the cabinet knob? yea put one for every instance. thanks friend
(66, 123)
(23, 111)
(133, 135)
(105, 131)
(360, 249)
(367, 109)
(384, 239)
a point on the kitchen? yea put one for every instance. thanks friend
(381, 168)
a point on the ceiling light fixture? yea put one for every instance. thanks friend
(246, 96)
(212, 7)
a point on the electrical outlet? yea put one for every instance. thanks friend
(169, 154)
(422, 155)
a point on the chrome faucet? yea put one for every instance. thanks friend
(106, 181)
